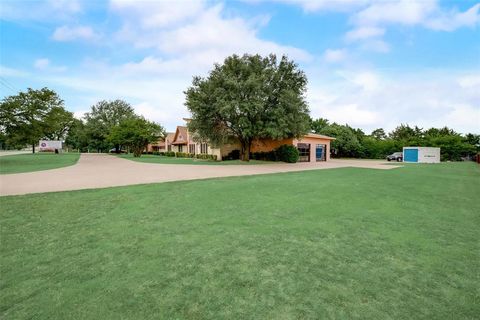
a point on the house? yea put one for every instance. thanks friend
(312, 147)
(182, 141)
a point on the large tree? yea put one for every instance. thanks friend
(29, 116)
(247, 98)
(77, 136)
(102, 118)
(136, 133)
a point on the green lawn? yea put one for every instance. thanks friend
(172, 160)
(346, 243)
(35, 162)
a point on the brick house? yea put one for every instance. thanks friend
(312, 147)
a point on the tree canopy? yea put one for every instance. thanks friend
(136, 133)
(29, 116)
(247, 98)
(102, 118)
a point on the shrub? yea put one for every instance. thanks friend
(264, 155)
(233, 155)
(206, 156)
(287, 153)
(170, 154)
(184, 155)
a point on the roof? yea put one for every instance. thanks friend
(318, 136)
(170, 136)
(181, 135)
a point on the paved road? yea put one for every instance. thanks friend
(101, 170)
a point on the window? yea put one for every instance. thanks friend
(169, 148)
(204, 148)
(303, 152)
(191, 148)
(180, 148)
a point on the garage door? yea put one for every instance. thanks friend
(410, 155)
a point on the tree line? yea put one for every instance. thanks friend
(33, 115)
(354, 143)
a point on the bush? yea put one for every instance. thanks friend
(264, 156)
(287, 153)
(233, 155)
(206, 156)
(184, 155)
(170, 154)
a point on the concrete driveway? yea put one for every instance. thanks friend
(101, 170)
(13, 152)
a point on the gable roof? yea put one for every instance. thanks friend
(170, 136)
(181, 135)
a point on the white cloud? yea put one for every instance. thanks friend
(66, 6)
(376, 46)
(352, 114)
(470, 81)
(66, 33)
(41, 63)
(12, 73)
(364, 33)
(47, 10)
(404, 12)
(371, 99)
(335, 55)
(202, 39)
(370, 18)
(153, 14)
(452, 20)
(320, 5)
(44, 64)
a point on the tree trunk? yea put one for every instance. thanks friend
(245, 150)
(33, 147)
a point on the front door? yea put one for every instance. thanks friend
(320, 150)
(303, 152)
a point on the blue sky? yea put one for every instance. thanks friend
(370, 63)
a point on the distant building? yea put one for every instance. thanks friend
(312, 147)
(50, 145)
(421, 154)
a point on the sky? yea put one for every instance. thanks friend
(370, 63)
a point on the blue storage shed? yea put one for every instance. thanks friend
(421, 155)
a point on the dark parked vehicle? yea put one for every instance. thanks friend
(397, 156)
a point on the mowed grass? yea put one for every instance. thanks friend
(35, 162)
(149, 158)
(346, 243)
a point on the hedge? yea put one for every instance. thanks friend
(286, 153)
